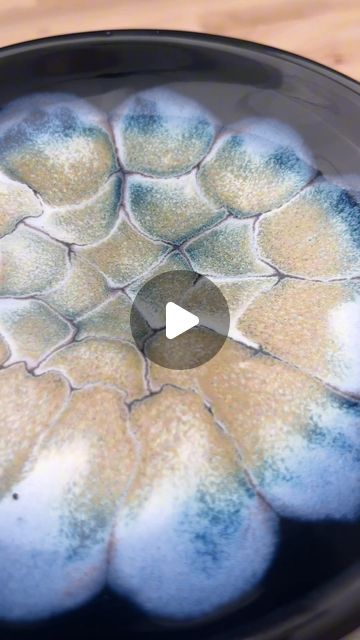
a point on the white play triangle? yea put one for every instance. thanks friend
(178, 320)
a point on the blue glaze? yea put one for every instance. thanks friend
(340, 204)
(286, 160)
(146, 121)
(211, 522)
(61, 124)
(318, 474)
(162, 120)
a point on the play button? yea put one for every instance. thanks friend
(179, 319)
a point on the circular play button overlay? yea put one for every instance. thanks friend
(179, 319)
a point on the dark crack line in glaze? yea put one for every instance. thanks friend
(145, 274)
(316, 177)
(26, 217)
(67, 245)
(217, 423)
(71, 339)
(281, 275)
(66, 343)
(192, 236)
(152, 392)
(22, 221)
(186, 258)
(262, 351)
(124, 494)
(128, 485)
(111, 285)
(326, 385)
(249, 476)
(203, 232)
(219, 135)
(321, 280)
(242, 278)
(79, 387)
(133, 223)
(176, 246)
(145, 371)
(35, 297)
(74, 246)
(128, 172)
(86, 261)
(33, 369)
(55, 209)
(32, 373)
(120, 171)
(248, 216)
(113, 294)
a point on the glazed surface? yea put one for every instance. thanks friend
(167, 486)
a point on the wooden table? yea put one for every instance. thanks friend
(325, 30)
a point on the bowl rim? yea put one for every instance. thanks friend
(174, 36)
(294, 622)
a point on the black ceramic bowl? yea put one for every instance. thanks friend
(138, 501)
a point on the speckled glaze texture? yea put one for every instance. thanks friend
(167, 486)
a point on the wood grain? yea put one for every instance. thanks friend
(325, 30)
